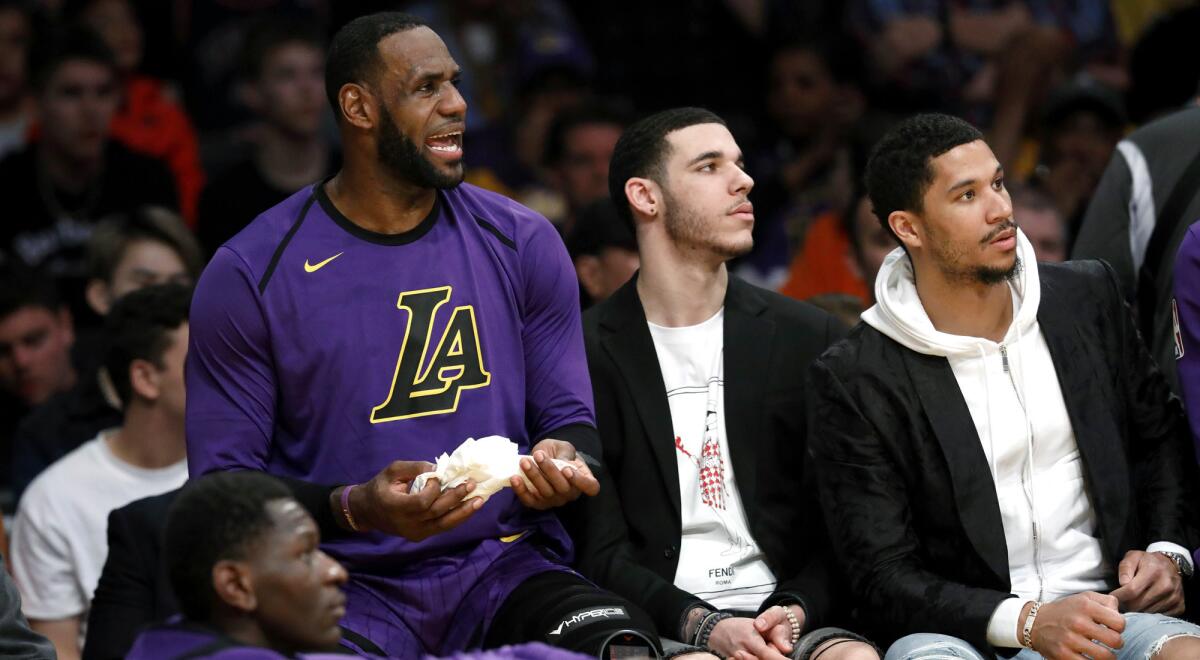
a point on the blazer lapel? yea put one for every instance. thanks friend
(628, 342)
(971, 479)
(747, 340)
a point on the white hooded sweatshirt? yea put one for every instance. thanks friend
(1016, 403)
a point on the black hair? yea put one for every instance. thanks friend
(899, 170)
(214, 517)
(53, 48)
(22, 287)
(643, 149)
(114, 234)
(556, 137)
(268, 34)
(354, 54)
(137, 328)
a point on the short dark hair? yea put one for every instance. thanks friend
(214, 517)
(53, 48)
(556, 137)
(113, 235)
(354, 53)
(267, 34)
(22, 287)
(899, 171)
(137, 328)
(643, 148)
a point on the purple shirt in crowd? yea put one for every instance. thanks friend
(322, 351)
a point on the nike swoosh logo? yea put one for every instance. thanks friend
(312, 268)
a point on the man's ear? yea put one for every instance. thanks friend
(587, 269)
(98, 296)
(907, 227)
(234, 585)
(358, 105)
(144, 379)
(645, 197)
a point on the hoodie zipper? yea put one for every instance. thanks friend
(1037, 540)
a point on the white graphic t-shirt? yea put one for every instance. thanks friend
(718, 559)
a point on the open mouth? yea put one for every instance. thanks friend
(449, 143)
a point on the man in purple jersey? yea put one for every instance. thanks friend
(377, 319)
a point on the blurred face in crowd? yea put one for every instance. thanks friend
(800, 93)
(602, 274)
(76, 106)
(117, 24)
(144, 262)
(295, 588)
(169, 386)
(966, 229)
(290, 91)
(874, 242)
(422, 115)
(1044, 228)
(1084, 142)
(35, 353)
(583, 171)
(14, 51)
(706, 193)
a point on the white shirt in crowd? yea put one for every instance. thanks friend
(719, 561)
(60, 536)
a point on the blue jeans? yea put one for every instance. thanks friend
(1143, 636)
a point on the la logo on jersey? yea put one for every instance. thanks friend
(430, 383)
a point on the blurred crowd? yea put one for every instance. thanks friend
(137, 136)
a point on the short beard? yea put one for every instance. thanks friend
(990, 276)
(687, 229)
(406, 161)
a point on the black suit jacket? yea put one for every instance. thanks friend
(627, 538)
(134, 590)
(906, 487)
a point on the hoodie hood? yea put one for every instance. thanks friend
(899, 314)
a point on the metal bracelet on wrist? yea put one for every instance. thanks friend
(795, 623)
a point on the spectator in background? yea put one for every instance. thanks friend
(603, 249)
(283, 83)
(1083, 121)
(58, 543)
(127, 252)
(148, 119)
(578, 147)
(1137, 220)
(16, 34)
(807, 169)
(58, 187)
(1037, 216)
(36, 335)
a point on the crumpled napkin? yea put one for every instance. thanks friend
(490, 461)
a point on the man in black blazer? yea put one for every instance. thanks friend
(1002, 467)
(699, 388)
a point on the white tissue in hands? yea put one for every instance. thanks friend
(492, 462)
